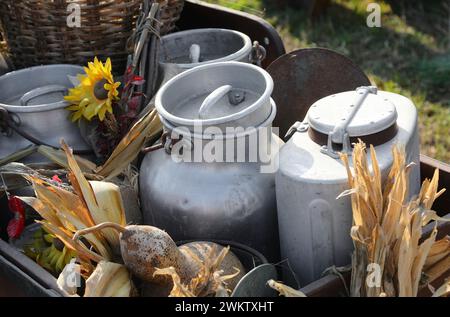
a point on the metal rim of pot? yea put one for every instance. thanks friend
(233, 245)
(215, 121)
(241, 53)
(223, 136)
(8, 117)
(36, 108)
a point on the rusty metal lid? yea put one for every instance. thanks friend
(306, 75)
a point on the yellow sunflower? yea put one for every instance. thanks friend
(95, 93)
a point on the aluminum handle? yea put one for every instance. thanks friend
(194, 53)
(339, 134)
(341, 128)
(212, 99)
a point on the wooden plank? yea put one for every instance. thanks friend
(427, 167)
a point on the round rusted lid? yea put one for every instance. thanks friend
(306, 75)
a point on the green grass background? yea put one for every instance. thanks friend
(409, 54)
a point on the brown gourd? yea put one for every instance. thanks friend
(146, 248)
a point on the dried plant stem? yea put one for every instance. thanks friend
(389, 258)
(98, 227)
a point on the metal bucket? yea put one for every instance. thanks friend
(192, 48)
(259, 270)
(32, 109)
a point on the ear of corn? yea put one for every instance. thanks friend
(387, 228)
(66, 209)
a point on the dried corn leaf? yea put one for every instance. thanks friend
(178, 290)
(209, 281)
(130, 146)
(388, 228)
(65, 211)
(60, 158)
(44, 211)
(439, 251)
(285, 290)
(444, 290)
(420, 259)
(107, 207)
(66, 237)
(437, 270)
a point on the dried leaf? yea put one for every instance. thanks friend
(387, 228)
(285, 290)
(444, 290)
(130, 146)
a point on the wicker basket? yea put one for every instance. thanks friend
(170, 13)
(37, 32)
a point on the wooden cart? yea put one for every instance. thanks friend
(20, 276)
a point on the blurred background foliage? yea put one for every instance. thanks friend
(409, 54)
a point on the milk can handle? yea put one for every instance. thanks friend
(212, 99)
(257, 54)
(339, 134)
(40, 91)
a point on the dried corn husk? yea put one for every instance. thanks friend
(67, 280)
(109, 280)
(102, 199)
(60, 158)
(67, 209)
(209, 281)
(444, 290)
(387, 228)
(130, 146)
(285, 290)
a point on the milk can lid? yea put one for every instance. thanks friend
(376, 114)
(226, 94)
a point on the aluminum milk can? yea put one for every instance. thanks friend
(209, 182)
(314, 226)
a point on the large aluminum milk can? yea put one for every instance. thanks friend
(32, 110)
(211, 181)
(314, 225)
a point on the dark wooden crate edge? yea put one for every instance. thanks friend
(216, 16)
(18, 268)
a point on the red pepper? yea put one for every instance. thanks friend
(17, 224)
(57, 179)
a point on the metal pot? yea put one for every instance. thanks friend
(195, 198)
(314, 225)
(198, 47)
(259, 271)
(32, 109)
